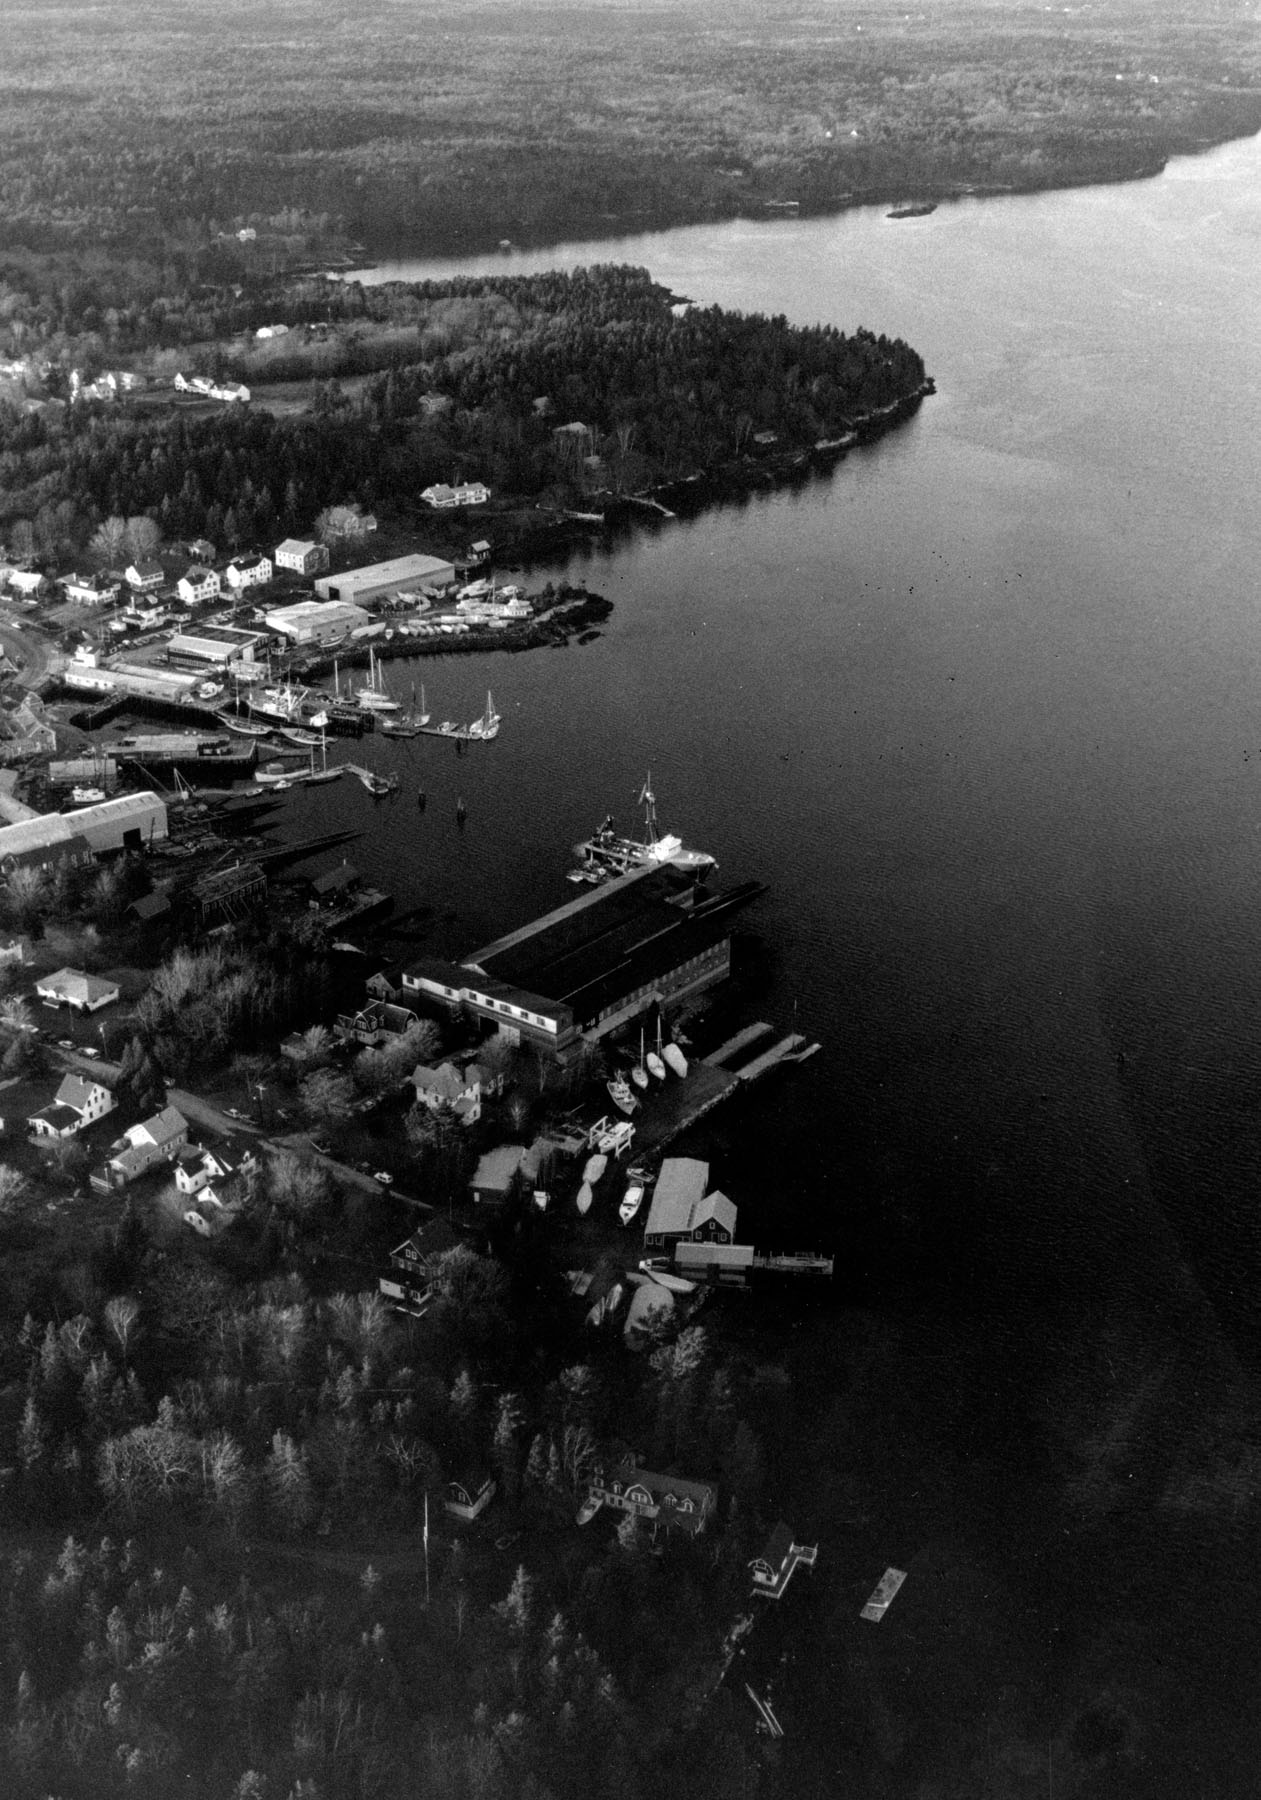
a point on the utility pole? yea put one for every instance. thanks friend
(426, 1546)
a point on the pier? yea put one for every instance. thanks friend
(741, 1041)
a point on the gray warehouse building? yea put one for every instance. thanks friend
(379, 581)
(129, 822)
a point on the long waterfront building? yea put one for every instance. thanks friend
(588, 968)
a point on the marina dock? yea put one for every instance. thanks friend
(741, 1041)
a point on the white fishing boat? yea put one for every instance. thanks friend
(621, 1095)
(594, 1168)
(375, 697)
(585, 1197)
(619, 855)
(660, 1271)
(283, 705)
(487, 726)
(674, 1059)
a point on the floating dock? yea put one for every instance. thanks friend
(778, 1053)
(741, 1041)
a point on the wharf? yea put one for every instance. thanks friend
(670, 1109)
(741, 1041)
(462, 734)
(777, 1053)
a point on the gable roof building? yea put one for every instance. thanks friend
(671, 1500)
(678, 1191)
(71, 987)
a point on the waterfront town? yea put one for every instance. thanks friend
(215, 1053)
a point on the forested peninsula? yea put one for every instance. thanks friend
(163, 132)
(569, 391)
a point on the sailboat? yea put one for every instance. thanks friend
(375, 698)
(323, 773)
(639, 1074)
(412, 723)
(656, 1067)
(487, 726)
(675, 1059)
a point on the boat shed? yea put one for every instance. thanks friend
(589, 967)
(379, 581)
(679, 1190)
(128, 822)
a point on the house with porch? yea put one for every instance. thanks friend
(197, 1168)
(405, 1284)
(672, 1501)
(776, 1564)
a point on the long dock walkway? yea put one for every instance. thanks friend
(741, 1041)
(768, 1059)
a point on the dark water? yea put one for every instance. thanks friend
(981, 709)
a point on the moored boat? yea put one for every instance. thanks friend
(487, 726)
(675, 1059)
(585, 1197)
(633, 1198)
(660, 1271)
(248, 728)
(616, 855)
(621, 1095)
(594, 1168)
(375, 696)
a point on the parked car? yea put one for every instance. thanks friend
(383, 1176)
(65, 1043)
(234, 1112)
(91, 1051)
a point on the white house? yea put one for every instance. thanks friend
(71, 987)
(27, 582)
(89, 590)
(302, 556)
(145, 577)
(197, 584)
(76, 1104)
(469, 1498)
(465, 493)
(198, 1168)
(248, 571)
(141, 1147)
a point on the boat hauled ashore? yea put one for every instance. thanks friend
(605, 854)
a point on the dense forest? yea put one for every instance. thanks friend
(541, 385)
(163, 132)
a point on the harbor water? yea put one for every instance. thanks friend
(980, 707)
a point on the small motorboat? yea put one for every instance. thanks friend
(593, 1169)
(659, 1269)
(585, 1197)
(633, 1198)
(588, 1510)
(675, 1059)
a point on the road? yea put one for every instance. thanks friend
(26, 649)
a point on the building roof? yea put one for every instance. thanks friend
(296, 547)
(58, 1115)
(77, 1092)
(717, 1256)
(332, 881)
(678, 1189)
(497, 1168)
(444, 1081)
(73, 984)
(776, 1547)
(166, 1125)
(613, 940)
(197, 574)
(314, 612)
(382, 574)
(714, 1206)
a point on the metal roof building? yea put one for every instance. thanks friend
(316, 621)
(379, 580)
(128, 822)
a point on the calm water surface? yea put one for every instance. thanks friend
(980, 707)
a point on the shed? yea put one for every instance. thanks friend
(496, 1173)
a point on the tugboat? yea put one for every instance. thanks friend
(610, 854)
